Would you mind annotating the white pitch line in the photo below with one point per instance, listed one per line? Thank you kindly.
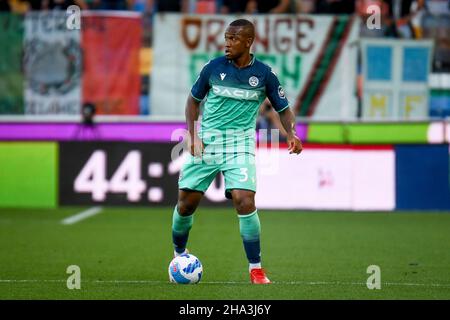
(311, 283)
(82, 215)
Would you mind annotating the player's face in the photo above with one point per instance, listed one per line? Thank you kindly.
(236, 42)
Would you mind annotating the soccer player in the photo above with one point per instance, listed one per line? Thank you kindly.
(235, 85)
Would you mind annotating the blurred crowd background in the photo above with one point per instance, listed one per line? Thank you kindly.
(412, 19)
(401, 19)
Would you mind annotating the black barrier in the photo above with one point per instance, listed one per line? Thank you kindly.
(122, 173)
(227, 309)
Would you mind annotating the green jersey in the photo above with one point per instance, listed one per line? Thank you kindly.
(233, 96)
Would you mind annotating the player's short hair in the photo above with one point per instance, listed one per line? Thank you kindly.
(250, 28)
(241, 23)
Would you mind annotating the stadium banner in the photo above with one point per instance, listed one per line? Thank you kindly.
(337, 178)
(107, 131)
(313, 56)
(396, 74)
(111, 43)
(52, 64)
(97, 64)
(11, 79)
(317, 132)
(28, 174)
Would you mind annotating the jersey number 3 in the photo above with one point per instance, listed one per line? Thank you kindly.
(245, 174)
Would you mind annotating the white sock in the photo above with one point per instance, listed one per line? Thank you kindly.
(254, 266)
(179, 254)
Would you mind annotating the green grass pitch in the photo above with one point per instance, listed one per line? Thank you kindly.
(124, 253)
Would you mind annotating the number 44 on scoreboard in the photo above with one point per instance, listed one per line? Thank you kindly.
(126, 179)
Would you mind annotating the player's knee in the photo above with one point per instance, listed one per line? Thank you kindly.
(245, 205)
(186, 207)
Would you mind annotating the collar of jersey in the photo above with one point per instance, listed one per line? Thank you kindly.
(249, 65)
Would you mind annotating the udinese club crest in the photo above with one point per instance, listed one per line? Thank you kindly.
(253, 81)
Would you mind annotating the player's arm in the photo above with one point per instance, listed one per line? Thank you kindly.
(287, 119)
(277, 98)
(192, 113)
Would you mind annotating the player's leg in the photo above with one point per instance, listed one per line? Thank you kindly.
(183, 218)
(250, 230)
(195, 177)
(249, 225)
(240, 186)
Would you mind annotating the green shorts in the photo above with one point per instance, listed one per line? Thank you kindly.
(239, 171)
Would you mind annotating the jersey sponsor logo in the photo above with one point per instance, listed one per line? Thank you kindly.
(253, 81)
(281, 93)
(222, 76)
(236, 93)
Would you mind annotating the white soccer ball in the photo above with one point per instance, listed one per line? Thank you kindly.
(185, 269)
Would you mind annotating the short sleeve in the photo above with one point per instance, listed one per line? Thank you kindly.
(275, 92)
(201, 85)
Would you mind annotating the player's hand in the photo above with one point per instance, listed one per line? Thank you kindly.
(195, 145)
(294, 144)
